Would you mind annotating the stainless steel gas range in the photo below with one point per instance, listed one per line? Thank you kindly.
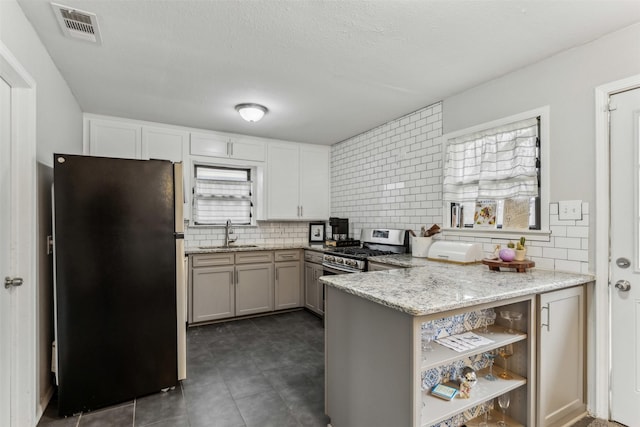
(375, 242)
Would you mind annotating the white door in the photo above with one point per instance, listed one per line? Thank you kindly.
(625, 241)
(5, 255)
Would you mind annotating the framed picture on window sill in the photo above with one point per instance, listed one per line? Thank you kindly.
(485, 214)
(316, 232)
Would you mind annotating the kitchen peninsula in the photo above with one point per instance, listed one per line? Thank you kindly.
(378, 375)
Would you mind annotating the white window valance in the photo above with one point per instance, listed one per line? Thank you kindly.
(496, 163)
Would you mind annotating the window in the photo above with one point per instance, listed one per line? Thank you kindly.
(492, 176)
(222, 194)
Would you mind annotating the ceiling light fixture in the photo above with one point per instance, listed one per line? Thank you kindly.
(251, 112)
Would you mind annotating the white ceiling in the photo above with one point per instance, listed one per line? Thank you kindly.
(327, 70)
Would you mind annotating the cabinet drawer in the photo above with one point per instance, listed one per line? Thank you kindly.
(293, 255)
(254, 257)
(210, 260)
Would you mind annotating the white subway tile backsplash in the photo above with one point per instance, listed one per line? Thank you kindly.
(568, 242)
(391, 176)
(578, 231)
(559, 230)
(577, 255)
(544, 263)
(556, 253)
(569, 266)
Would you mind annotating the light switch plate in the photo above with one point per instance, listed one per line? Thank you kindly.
(570, 209)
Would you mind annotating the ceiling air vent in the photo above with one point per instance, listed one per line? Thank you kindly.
(77, 24)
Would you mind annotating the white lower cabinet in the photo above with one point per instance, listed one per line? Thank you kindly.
(230, 284)
(313, 289)
(254, 289)
(288, 280)
(212, 295)
(561, 356)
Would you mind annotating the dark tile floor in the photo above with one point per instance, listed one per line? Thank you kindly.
(264, 371)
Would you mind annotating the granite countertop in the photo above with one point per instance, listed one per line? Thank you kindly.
(440, 287)
(245, 248)
(400, 260)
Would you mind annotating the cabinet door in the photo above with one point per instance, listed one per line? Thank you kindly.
(314, 182)
(282, 181)
(561, 356)
(212, 293)
(310, 287)
(287, 285)
(115, 139)
(247, 149)
(209, 145)
(254, 289)
(163, 144)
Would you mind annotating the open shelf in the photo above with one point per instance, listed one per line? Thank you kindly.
(435, 410)
(442, 355)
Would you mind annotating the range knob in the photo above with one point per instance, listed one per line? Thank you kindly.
(329, 258)
(350, 262)
(339, 260)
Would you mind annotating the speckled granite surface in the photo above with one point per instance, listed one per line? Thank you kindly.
(245, 248)
(401, 260)
(439, 287)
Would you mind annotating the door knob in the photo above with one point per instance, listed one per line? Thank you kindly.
(623, 285)
(12, 281)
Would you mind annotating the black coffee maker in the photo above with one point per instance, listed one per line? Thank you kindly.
(339, 228)
(340, 233)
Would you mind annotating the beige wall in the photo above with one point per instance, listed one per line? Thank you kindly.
(566, 82)
(59, 118)
(59, 129)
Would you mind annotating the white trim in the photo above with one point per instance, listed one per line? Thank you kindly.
(23, 207)
(601, 360)
(545, 165)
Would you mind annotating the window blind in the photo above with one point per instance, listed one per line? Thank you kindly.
(222, 194)
(497, 163)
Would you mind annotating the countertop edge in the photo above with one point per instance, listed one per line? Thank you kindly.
(273, 247)
(420, 291)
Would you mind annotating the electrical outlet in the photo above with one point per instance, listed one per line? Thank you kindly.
(570, 209)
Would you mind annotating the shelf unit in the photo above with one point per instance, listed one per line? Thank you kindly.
(442, 355)
(437, 410)
(431, 410)
(493, 422)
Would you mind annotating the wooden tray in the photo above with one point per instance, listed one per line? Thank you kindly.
(520, 266)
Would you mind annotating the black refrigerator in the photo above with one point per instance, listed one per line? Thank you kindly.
(117, 242)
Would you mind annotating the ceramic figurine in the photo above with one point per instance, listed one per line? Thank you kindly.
(467, 380)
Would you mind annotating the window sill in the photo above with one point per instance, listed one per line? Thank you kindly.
(532, 235)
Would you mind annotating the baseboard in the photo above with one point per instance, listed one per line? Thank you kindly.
(43, 403)
(575, 419)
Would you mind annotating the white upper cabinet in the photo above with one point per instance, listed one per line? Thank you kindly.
(163, 143)
(314, 181)
(297, 181)
(133, 140)
(110, 138)
(229, 147)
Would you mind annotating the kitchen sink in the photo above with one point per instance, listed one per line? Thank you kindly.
(228, 247)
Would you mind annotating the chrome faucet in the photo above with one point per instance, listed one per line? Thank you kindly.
(227, 231)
